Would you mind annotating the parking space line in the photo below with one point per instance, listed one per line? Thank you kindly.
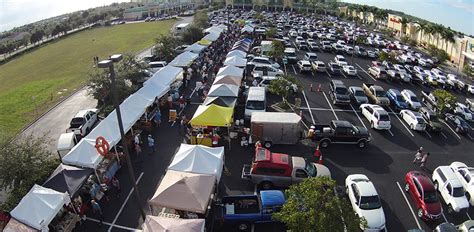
(124, 203)
(109, 224)
(355, 112)
(468, 216)
(390, 132)
(428, 134)
(344, 75)
(284, 66)
(470, 137)
(454, 132)
(328, 74)
(401, 121)
(444, 217)
(329, 103)
(363, 70)
(408, 203)
(358, 76)
(309, 108)
(446, 137)
(294, 70)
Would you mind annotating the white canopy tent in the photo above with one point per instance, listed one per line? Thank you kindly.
(247, 28)
(236, 61)
(238, 53)
(39, 207)
(163, 224)
(166, 76)
(184, 59)
(184, 191)
(199, 159)
(224, 90)
(211, 37)
(230, 70)
(195, 47)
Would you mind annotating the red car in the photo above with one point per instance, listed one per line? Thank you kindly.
(423, 193)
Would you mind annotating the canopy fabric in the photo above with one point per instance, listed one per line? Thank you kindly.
(16, 226)
(184, 191)
(240, 48)
(221, 101)
(204, 42)
(230, 71)
(84, 154)
(237, 53)
(163, 224)
(166, 76)
(195, 47)
(211, 37)
(227, 79)
(184, 59)
(224, 90)
(212, 115)
(247, 29)
(213, 30)
(199, 159)
(67, 179)
(236, 61)
(39, 206)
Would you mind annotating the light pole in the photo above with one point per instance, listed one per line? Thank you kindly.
(110, 64)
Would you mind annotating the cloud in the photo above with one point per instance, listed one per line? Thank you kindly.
(461, 4)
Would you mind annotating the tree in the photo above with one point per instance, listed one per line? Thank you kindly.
(165, 47)
(390, 57)
(200, 19)
(421, 27)
(23, 162)
(284, 86)
(445, 101)
(468, 70)
(270, 33)
(192, 34)
(404, 23)
(278, 50)
(85, 14)
(312, 205)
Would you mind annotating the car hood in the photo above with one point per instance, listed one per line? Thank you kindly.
(363, 130)
(342, 96)
(375, 217)
(361, 99)
(433, 208)
(460, 202)
(383, 99)
(322, 170)
(416, 104)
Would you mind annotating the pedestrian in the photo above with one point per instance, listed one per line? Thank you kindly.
(182, 103)
(418, 155)
(151, 144)
(116, 186)
(97, 210)
(157, 118)
(258, 144)
(254, 83)
(170, 101)
(424, 160)
(182, 124)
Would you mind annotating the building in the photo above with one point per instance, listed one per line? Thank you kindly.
(155, 8)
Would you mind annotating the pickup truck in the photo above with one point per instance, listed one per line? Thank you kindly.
(341, 132)
(244, 210)
(270, 169)
(429, 100)
(376, 94)
(83, 122)
(450, 189)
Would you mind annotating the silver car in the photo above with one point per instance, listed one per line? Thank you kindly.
(358, 95)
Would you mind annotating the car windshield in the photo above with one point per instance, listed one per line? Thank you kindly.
(370, 202)
(413, 99)
(384, 117)
(431, 197)
(255, 105)
(379, 93)
(310, 168)
(359, 93)
(465, 110)
(458, 192)
(341, 90)
(399, 98)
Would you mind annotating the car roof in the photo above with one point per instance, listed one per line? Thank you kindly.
(356, 88)
(449, 174)
(394, 91)
(365, 186)
(311, 54)
(424, 180)
(409, 92)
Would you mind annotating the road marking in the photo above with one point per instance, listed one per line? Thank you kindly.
(109, 224)
(468, 135)
(363, 70)
(124, 203)
(328, 74)
(446, 137)
(408, 203)
(294, 70)
(444, 217)
(468, 216)
(409, 131)
(390, 132)
(310, 112)
(330, 106)
(459, 137)
(428, 134)
(358, 76)
(344, 75)
(355, 112)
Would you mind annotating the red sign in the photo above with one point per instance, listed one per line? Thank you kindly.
(394, 20)
(102, 146)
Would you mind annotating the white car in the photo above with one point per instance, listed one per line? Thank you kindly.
(377, 116)
(304, 66)
(365, 201)
(340, 60)
(414, 119)
(463, 111)
(260, 60)
(310, 56)
(156, 66)
(454, 82)
(266, 70)
(465, 175)
(450, 188)
(411, 99)
(349, 70)
(318, 66)
(470, 89)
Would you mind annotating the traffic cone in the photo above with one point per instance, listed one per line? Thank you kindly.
(317, 153)
(319, 88)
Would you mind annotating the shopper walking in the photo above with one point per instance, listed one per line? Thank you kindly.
(97, 210)
(151, 144)
(157, 118)
(418, 156)
(424, 160)
(116, 186)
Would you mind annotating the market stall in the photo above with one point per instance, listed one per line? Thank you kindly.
(16, 226)
(67, 179)
(206, 123)
(184, 59)
(223, 90)
(228, 79)
(220, 101)
(189, 194)
(211, 37)
(40, 206)
(237, 53)
(236, 61)
(199, 159)
(196, 48)
(163, 224)
(247, 29)
(230, 71)
(166, 76)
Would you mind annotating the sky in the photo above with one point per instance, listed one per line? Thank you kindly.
(14, 13)
(457, 14)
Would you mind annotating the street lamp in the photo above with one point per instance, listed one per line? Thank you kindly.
(110, 64)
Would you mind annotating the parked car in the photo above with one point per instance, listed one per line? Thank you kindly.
(318, 66)
(396, 99)
(446, 227)
(422, 191)
(340, 60)
(358, 95)
(413, 119)
(451, 190)
(467, 226)
(360, 51)
(310, 56)
(377, 116)
(365, 201)
(411, 99)
(349, 70)
(463, 111)
(304, 66)
(83, 122)
(334, 68)
(432, 122)
(465, 175)
(156, 66)
(342, 132)
(339, 93)
(460, 126)
(376, 94)
(260, 60)
(266, 70)
(378, 72)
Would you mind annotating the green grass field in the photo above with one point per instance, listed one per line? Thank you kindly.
(55, 70)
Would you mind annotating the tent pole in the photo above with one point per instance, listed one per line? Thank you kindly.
(116, 154)
(97, 175)
(228, 133)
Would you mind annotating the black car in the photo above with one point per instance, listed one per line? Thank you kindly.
(460, 126)
(433, 124)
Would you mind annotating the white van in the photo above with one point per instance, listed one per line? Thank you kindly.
(180, 28)
(256, 101)
(66, 142)
(290, 55)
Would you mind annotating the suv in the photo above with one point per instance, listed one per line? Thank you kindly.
(334, 68)
(339, 93)
(340, 60)
(290, 55)
(310, 56)
(377, 116)
(451, 189)
(266, 70)
(304, 66)
(422, 191)
(260, 60)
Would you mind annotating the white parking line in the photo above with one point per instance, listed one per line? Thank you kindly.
(454, 132)
(446, 137)
(468, 216)
(355, 112)
(408, 203)
(428, 134)
(468, 135)
(363, 70)
(444, 217)
(344, 75)
(124, 203)
(284, 66)
(390, 132)
(109, 224)
(310, 111)
(294, 70)
(409, 131)
(358, 76)
(329, 74)
(329, 103)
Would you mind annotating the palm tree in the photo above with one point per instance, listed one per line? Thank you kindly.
(421, 27)
(404, 23)
(429, 29)
(448, 37)
(438, 30)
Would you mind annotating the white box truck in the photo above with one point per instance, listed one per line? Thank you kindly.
(275, 128)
